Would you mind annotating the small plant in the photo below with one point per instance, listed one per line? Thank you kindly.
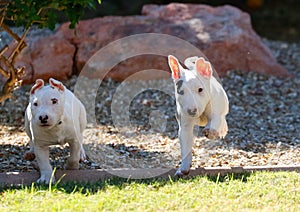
(26, 13)
(44, 13)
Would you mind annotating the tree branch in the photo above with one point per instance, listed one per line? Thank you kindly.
(7, 62)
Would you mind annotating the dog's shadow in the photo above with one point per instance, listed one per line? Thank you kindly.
(135, 151)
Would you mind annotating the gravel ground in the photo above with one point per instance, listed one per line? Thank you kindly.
(264, 122)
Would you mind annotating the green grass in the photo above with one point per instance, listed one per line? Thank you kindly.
(259, 191)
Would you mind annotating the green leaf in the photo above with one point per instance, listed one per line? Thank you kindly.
(25, 13)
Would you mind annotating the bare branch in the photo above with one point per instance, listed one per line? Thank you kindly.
(4, 96)
(21, 45)
(3, 50)
(2, 71)
(7, 68)
(14, 80)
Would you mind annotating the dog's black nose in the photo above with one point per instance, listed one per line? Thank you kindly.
(43, 119)
(192, 112)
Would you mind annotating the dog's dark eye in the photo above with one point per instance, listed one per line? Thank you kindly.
(35, 104)
(200, 90)
(54, 101)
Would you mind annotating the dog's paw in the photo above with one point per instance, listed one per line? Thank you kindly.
(71, 165)
(210, 133)
(83, 157)
(46, 179)
(29, 156)
(180, 173)
(223, 131)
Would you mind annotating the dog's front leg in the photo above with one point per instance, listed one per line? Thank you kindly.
(79, 137)
(186, 144)
(73, 160)
(42, 157)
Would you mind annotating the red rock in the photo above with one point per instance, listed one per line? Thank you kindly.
(47, 57)
(224, 34)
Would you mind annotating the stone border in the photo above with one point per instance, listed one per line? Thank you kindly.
(92, 176)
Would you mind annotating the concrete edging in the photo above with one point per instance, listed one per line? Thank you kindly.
(26, 178)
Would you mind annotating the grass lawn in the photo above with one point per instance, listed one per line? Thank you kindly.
(259, 191)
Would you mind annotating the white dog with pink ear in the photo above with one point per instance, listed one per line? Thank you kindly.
(200, 100)
(54, 116)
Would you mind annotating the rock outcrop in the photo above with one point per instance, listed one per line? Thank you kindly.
(224, 34)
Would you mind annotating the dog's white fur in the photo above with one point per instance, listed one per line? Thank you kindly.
(200, 100)
(54, 116)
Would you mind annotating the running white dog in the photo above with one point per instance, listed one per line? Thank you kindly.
(200, 100)
(54, 116)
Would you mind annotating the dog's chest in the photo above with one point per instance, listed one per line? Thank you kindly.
(57, 135)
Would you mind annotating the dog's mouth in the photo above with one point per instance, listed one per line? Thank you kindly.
(45, 125)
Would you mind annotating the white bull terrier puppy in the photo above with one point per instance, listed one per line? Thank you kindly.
(200, 100)
(54, 116)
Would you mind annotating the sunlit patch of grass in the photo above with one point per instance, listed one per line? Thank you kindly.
(257, 191)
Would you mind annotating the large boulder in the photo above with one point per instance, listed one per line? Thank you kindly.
(47, 57)
(224, 34)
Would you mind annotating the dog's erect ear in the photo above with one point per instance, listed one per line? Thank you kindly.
(203, 67)
(174, 66)
(39, 83)
(190, 62)
(56, 84)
